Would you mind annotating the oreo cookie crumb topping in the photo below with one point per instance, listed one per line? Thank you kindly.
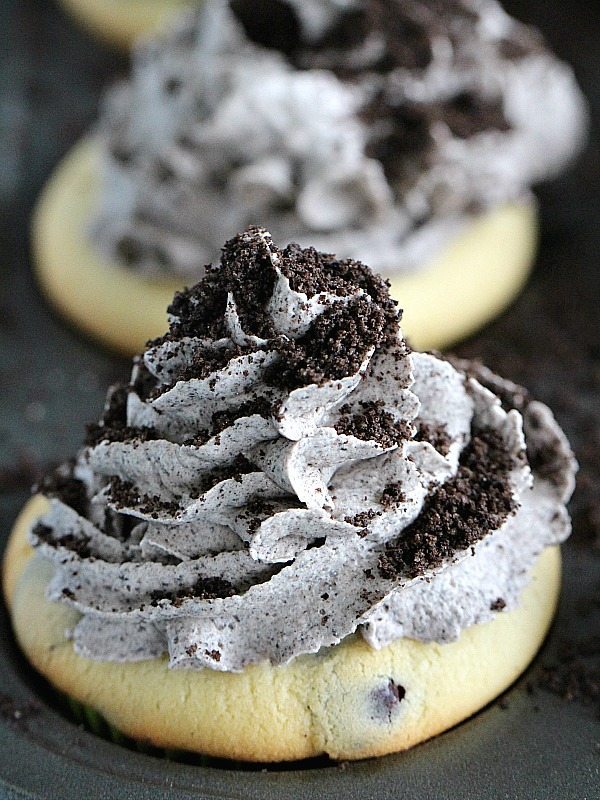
(312, 272)
(373, 423)
(204, 363)
(498, 605)
(125, 494)
(144, 383)
(223, 419)
(199, 311)
(248, 273)
(336, 343)
(362, 519)
(468, 114)
(115, 408)
(214, 654)
(401, 134)
(436, 435)
(406, 129)
(239, 466)
(392, 496)
(95, 434)
(270, 23)
(255, 511)
(78, 545)
(62, 484)
(458, 513)
(245, 271)
(203, 589)
(407, 30)
(407, 33)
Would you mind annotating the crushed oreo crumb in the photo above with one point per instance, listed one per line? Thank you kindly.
(362, 519)
(199, 311)
(336, 343)
(144, 382)
(498, 605)
(62, 484)
(125, 494)
(392, 496)
(334, 346)
(270, 23)
(79, 545)
(312, 272)
(205, 362)
(459, 513)
(97, 433)
(436, 435)
(203, 589)
(406, 130)
(373, 423)
(260, 406)
(256, 510)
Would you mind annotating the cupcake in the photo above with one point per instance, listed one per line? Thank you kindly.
(403, 134)
(289, 535)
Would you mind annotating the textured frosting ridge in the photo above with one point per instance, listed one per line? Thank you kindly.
(282, 471)
(374, 129)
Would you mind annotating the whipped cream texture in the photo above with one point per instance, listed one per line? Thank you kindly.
(282, 472)
(373, 129)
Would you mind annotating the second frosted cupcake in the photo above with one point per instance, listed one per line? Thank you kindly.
(402, 134)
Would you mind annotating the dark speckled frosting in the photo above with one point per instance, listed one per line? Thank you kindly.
(375, 129)
(282, 471)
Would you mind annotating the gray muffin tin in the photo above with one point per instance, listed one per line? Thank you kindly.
(529, 744)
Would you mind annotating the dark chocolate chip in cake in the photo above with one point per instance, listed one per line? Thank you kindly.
(385, 700)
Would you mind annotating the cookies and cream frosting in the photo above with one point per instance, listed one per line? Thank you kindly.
(374, 129)
(282, 472)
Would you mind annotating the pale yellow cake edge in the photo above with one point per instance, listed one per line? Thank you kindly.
(314, 705)
(121, 22)
(475, 277)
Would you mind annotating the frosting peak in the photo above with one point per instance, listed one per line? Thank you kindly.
(282, 471)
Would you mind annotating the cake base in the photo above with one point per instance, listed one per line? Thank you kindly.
(472, 280)
(348, 701)
(121, 22)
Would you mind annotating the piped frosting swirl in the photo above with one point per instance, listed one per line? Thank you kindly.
(282, 471)
(374, 129)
